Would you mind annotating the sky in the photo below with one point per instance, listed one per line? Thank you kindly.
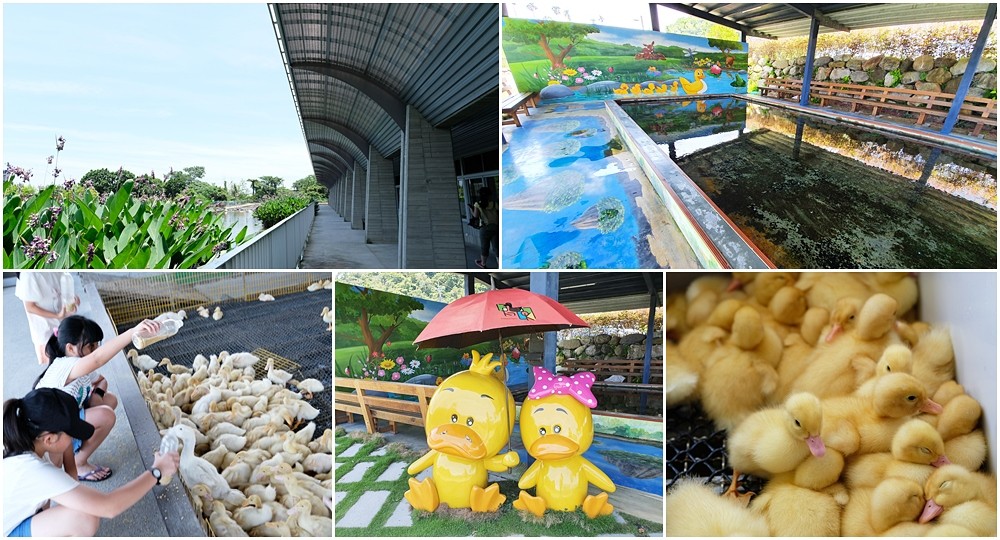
(624, 14)
(148, 87)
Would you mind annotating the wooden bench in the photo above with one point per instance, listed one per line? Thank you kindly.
(366, 397)
(515, 103)
(923, 103)
(626, 392)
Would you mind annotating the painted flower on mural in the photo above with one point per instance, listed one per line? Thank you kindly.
(579, 80)
(406, 371)
(395, 376)
(553, 82)
(387, 364)
(400, 360)
(581, 69)
(569, 72)
(596, 73)
(414, 363)
(381, 373)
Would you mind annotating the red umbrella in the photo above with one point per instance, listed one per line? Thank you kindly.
(480, 317)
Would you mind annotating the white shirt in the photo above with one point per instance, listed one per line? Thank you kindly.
(58, 373)
(28, 483)
(41, 288)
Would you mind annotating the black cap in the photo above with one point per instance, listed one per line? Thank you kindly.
(55, 411)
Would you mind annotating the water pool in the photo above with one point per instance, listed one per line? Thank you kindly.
(572, 197)
(814, 193)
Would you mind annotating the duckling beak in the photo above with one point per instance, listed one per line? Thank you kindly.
(929, 406)
(941, 461)
(834, 330)
(734, 284)
(931, 511)
(457, 440)
(553, 447)
(816, 446)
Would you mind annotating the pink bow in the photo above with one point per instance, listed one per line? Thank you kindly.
(577, 386)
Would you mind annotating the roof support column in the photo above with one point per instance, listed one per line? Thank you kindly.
(381, 214)
(359, 196)
(807, 70)
(970, 70)
(430, 224)
(654, 17)
(546, 283)
(344, 191)
(654, 302)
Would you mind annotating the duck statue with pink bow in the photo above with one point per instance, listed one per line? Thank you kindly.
(557, 428)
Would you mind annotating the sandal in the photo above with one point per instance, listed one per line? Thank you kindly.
(99, 474)
(480, 264)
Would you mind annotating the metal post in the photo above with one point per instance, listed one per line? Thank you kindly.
(647, 358)
(970, 71)
(546, 283)
(807, 70)
(654, 17)
(800, 123)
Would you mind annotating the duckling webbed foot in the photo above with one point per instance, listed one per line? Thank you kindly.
(597, 505)
(423, 495)
(486, 500)
(734, 493)
(529, 503)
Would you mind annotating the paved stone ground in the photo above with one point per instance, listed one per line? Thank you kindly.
(373, 500)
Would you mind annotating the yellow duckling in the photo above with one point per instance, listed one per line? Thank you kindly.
(700, 106)
(662, 89)
(696, 87)
(469, 419)
(673, 88)
(647, 90)
(557, 428)
(636, 89)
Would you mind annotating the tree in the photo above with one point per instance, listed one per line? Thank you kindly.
(205, 190)
(176, 182)
(265, 186)
(545, 34)
(375, 311)
(725, 45)
(695, 26)
(311, 188)
(106, 181)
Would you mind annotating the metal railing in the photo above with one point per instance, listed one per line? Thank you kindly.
(280, 246)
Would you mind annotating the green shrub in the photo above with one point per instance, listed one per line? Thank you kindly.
(76, 227)
(275, 210)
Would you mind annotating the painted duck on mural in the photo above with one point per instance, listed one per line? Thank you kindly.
(469, 420)
(698, 86)
(556, 429)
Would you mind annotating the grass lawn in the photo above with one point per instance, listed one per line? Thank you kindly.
(507, 521)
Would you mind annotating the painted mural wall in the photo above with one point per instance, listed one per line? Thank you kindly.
(565, 61)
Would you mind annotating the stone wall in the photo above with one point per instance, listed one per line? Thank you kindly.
(600, 346)
(920, 73)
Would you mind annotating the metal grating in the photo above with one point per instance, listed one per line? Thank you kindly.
(695, 449)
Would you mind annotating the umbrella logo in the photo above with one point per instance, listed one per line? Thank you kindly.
(522, 313)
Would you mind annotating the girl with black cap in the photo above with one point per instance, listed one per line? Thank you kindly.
(41, 424)
(76, 353)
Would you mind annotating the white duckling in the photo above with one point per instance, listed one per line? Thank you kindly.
(225, 428)
(203, 311)
(264, 297)
(324, 443)
(243, 360)
(234, 443)
(218, 457)
(174, 369)
(262, 492)
(277, 376)
(318, 463)
(199, 362)
(177, 316)
(217, 314)
(142, 362)
(222, 524)
(253, 513)
(237, 474)
(196, 470)
(310, 524)
(315, 286)
(272, 529)
(308, 387)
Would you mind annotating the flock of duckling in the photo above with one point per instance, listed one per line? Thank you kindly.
(828, 387)
(250, 457)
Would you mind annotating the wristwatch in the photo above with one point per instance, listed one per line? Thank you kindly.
(156, 474)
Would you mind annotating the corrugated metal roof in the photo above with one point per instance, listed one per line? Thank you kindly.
(358, 65)
(784, 20)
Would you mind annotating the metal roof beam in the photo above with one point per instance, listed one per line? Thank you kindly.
(695, 12)
(329, 162)
(359, 140)
(810, 10)
(390, 103)
(344, 154)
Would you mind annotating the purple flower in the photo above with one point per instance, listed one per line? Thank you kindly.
(52, 257)
(395, 376)
(69, 183)
(60, 143)
(400, 360)
(90, 252)
(220, 247)
(581, 69)
(23, 174)
(56, 211)
(579, 80)
(49, 160)
(55, 172)
(38, 246)
(381, 373)
(33, 221)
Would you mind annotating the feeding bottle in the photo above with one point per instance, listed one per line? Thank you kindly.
(67, 291)
(169, 443)
(168, 328)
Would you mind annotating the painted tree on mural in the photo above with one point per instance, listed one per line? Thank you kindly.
(549, 35)
(375, 311)
(725, 45)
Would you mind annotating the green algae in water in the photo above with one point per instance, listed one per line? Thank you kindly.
(548, 194)
(570, 260)
(607, 216)
(588, 132)
(563, 148)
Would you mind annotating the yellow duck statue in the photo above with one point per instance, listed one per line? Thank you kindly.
(469, 420)
(557, 428)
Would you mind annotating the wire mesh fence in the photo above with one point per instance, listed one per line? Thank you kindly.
(289, 329)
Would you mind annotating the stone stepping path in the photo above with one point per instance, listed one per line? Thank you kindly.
(356, 473)
(362, 516)
(393, 472)
(351, 452)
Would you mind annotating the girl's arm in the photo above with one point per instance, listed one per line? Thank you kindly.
(69, 463)
(108, 505)
(107, 351)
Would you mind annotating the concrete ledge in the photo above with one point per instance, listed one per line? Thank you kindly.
(716, 241)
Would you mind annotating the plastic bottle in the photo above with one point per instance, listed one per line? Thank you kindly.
(168, 328)
(67, 291)
(169, 443)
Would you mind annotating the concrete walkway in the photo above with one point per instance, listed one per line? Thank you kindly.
(333, 244)
(128, 450)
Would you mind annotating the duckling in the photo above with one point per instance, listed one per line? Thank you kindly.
(917, 450)
(957, 496)
(866, 424)
(959, 417)
(196, 470)
(315, 286)
(319, 463)
(273, 529)
(825, 289)
(232, 442)
(872, 511)
(237, 474)
(142, 362)
(897, 358)
(326, 314)
(264, 297)
(201, 499)
(243, 360)
(222, 524)
(934, 359)
(203, 311)
(310, 524)
(179, 315)
(681, 376)
(277, 376)
(217, 314)
(175, 369)
(969, 451)
(795, 511)
(799, 347)
(262, 492)
(900, 285)
(695, 510)
(217, 456)
(324, 444)
(778, 439)
(308, 387)
(252, 513)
